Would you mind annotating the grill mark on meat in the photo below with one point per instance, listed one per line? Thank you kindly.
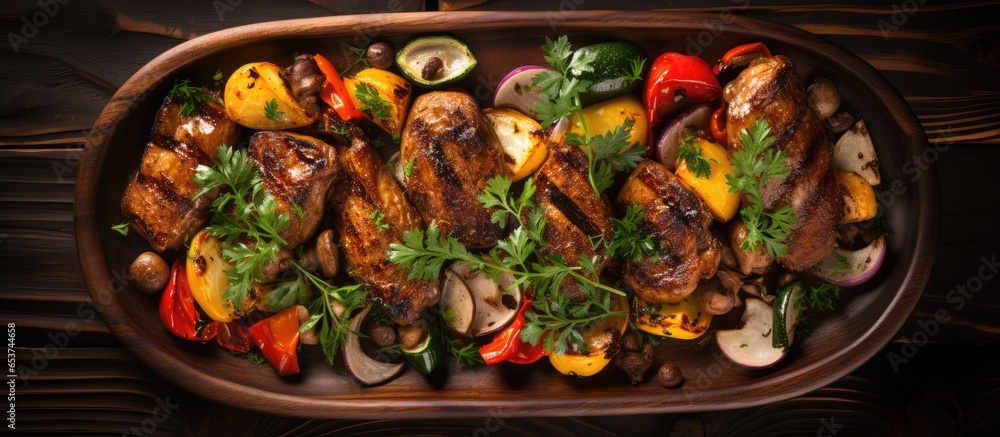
(680, 222)
(164, 190)
(277, 176)
(455, 153)
(775, 93)
(572, 211)
(366, 185)
(183, 149)
(439, 161)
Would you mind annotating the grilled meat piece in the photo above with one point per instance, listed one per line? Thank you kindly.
(688, 252)
(159, 199)
(455, 153)
(769, 88)
(297, 170)
(574, 214)
(371, 213)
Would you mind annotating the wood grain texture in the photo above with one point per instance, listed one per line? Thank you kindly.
(42, 133)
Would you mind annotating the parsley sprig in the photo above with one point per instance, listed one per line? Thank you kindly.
(756, 163)
(630, 242)
(689, 152)
(373, 102)
(271, 110)
(333, 327)
(425, 253)
(244, 217)
(608, 154)
(191, 97)
(560, 89)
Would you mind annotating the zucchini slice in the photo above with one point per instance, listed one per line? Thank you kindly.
(786, 315)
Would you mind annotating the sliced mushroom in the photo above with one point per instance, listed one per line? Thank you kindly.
(495, 304)
(457, 303)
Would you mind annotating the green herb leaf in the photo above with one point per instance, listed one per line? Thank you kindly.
(372, 101)
(820, 296)
(635, 71)
(362, 54)
(610, 154)
(425, 254)
(378, 219)
(256, 358)
(560, 89)
(754, 164)
(217, 77)
(191, 97)
(244, 212)
(271, 109)
(409, 167)
(630, 242)
(690, 153)
(121, 228)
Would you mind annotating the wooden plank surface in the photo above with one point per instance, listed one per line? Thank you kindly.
(56, 84)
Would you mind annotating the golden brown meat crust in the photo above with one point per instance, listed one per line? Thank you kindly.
(454, 152)
(680, 222)
(297, 170)
(769, 88)
(366, 189)
(573, 212)
(159, 199)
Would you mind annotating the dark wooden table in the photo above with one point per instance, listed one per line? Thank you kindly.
(65, 58)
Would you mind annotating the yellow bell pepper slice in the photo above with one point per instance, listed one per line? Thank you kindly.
(257, 90)
(521, 138)
(599, 336)
(682, 320)
(206, 272)
(714, 190)
(859, 197)
(392, 89)
(604, 117)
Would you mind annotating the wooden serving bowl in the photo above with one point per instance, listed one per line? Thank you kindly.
(841, 342)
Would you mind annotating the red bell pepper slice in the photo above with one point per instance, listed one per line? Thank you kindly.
(278, 337)
(508, 346)
(741, 55)
(335, 93)
(177, 310)
(676, 81)
(526, 353)
(233, 336)
(717, 125)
